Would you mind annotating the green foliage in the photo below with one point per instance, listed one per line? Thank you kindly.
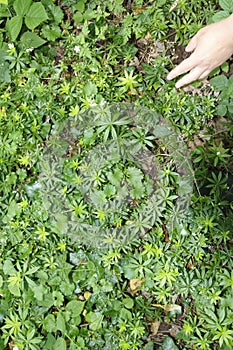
(224, 85)
(33, 14)
(68, 60)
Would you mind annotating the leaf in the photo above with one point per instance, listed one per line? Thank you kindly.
(75, 307)
(95, 320)
(8, 268)
(168, 344)
(21, 7)
(31, 40)
(4, 2)
(226, 5)
(219, 83)
(61, 326)
(154, 327)
(57, 13)
(169, 307)
(14, 289)
(80, 6)
(35, 16)
(135, 284)
(14, 26)
(49, 323)
(220, 15)
(128, 303)
(51, 34)
(221, 110)
(5, 72)
(161, 131)
(60, 344)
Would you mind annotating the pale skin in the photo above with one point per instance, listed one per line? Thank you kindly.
(210, 47)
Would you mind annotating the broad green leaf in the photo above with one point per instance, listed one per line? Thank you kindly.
(5, 73)
(38, 291)
(57, 13)
(61, 326)
(52, 33)
(168, 344)
(80, 6)
(78, 17)
(60, 344)
(75, 307)
(31, 40)
(95, 320)
(219, 83)
(8, 268)
(221, 110)
(14, 289)
(13, 26)
(128, 303)
(220, 15)
(21, 7)
(49, 323)
(35, 16)
(226, 5)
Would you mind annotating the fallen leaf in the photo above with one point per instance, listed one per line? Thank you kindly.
(168, 307)
(154, 327)
(135, 284)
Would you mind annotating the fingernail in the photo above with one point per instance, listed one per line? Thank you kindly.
(178, 85)
(169, 76)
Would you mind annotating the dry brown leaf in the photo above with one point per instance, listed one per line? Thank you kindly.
(154, 327)
(168, 307)
(135, 284)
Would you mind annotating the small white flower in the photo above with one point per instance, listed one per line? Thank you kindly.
(30, 49)
(11, 46)
(77, 48)
(15, 348)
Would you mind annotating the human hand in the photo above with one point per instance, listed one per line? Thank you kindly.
(211, 46)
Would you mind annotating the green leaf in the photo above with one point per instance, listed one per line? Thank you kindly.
(31, 40)
(13, 210)
(49, 323)
(80, 6)
(78, 17)
(60, 344)
(61, 326)
(128, 303)
(168, 344)
(14, 289)
(95, 319)
(21, 7)
(35, 16)
(220, 15)
(8, 268)
(13, 26)
(4, 2)
(226, 5)
(4, 72)
(221, 110)
(219, 83)
(75, 307)
(57, 13)
(52, 33)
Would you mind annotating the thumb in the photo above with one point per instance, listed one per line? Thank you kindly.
(192, 44)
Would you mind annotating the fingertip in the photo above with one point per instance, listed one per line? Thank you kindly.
(170, 76)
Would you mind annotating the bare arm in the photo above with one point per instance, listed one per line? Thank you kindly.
(211, 46)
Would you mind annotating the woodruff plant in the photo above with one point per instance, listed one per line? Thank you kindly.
(106, 202)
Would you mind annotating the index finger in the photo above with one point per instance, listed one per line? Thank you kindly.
(185, 66)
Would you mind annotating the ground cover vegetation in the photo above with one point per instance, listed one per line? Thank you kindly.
(167, 287)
